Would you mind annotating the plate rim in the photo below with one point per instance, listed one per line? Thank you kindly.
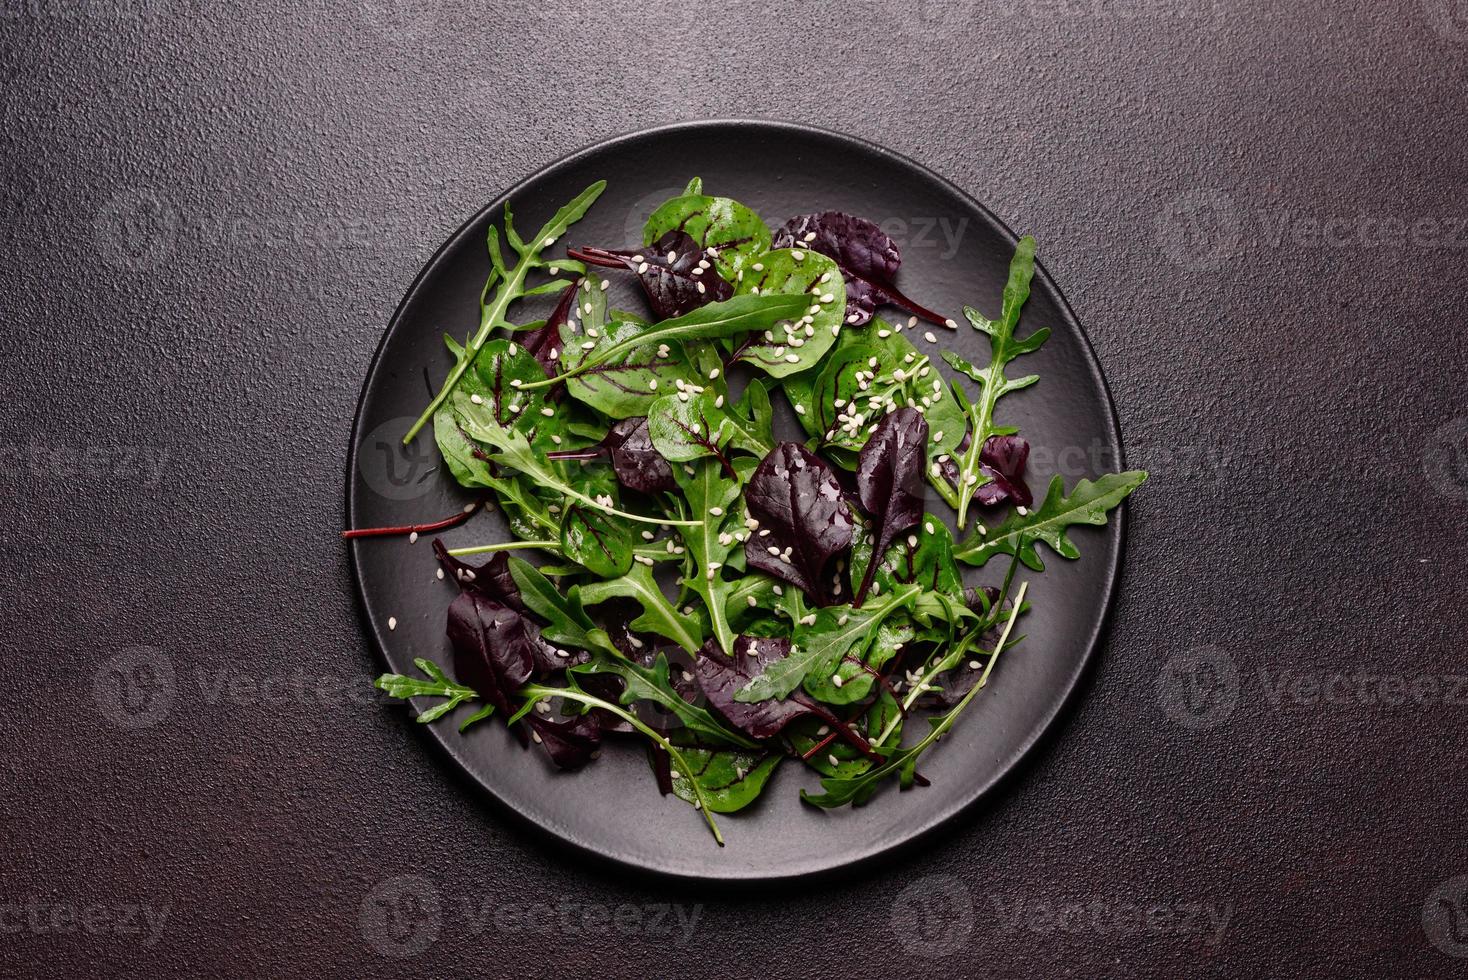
(1007, 766)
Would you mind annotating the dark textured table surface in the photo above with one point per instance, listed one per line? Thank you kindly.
(1257, 210)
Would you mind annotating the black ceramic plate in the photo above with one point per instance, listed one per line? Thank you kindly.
(954, 252)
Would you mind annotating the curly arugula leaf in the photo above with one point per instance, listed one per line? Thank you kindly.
(730, 779)
(1004, 347)
(820, 643)
(1088, 503)
(889, 480)
(653, 685)
(731, 318)
(509, 285)
(534, 693)
(868, 258)
(799, 342)
(734, 233)
(438, 685)
(674, 272)
(711, 494)
(658, 615)
(924, 557)
(597, 541)
(567, 624)
(754, 418)
(840, 790)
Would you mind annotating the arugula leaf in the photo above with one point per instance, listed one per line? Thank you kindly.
(735, 233)
(730, 779)
(840, 790)
(599, 542)
(1088, 503)
(818, 646)
(658, 615)
(733, 317)
(509, 286)
(653, 685)
(1005, 347)
(711, 496)
(798, 344)
(536, 692)
(924, 557)
(567, 622)
(753, 418)
(438, 685)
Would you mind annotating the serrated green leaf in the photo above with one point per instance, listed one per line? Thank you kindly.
(658, 615)
(1088, 503)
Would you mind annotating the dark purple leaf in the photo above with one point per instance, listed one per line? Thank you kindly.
(868, 258)
(638, 465)
(491, 580)
(797, 500)
(720, 675)
(889, 481)
(672, 285)
(1003, 461)
(496, 649)
(544, 340)
(571, 743)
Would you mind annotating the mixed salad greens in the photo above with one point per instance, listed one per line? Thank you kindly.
(733, 599)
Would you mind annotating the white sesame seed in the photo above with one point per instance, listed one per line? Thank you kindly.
(930, 337)
(780, 591)
(884, 334)
(588, 345)
(793, 358)
(937, 436)
(974, 665)
(798, 255)
(642, 268)
(716, 511)
(810, 236)
(1022, 511)
(714, 374)
(548, 412)
(556, 440)
(413, 538)
(843, 620)
(912, 540)
(440, 575)
(672, 257)
(392, 622)
(648, 535)
(548, 242)
(836, 679)
(832, 757)
(682, 396)
(751, 600)
(799, 409)
(828, 297)
(701, 290)
(758, 267)
(553, 354)
(719, 402)
(535, 736)
(476, 399)
(586, 308)
(555, 270)
(950, 324)
(652, 384)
